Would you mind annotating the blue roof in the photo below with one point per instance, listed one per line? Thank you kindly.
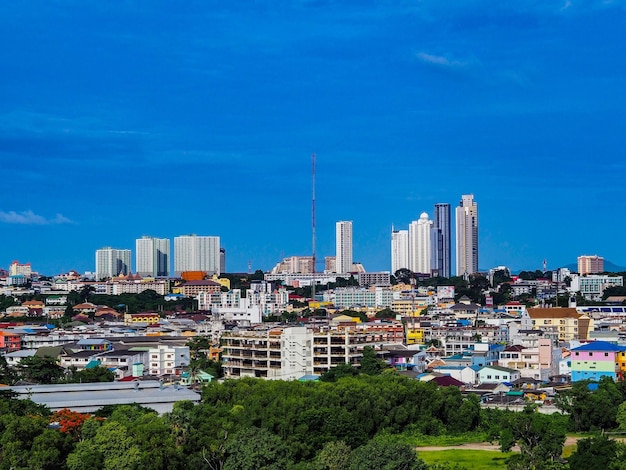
(600, 346)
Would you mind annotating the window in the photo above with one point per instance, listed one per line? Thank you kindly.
(606, 354)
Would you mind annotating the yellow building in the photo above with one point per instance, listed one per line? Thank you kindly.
(568, 323)
(141, 318)
(408, 308)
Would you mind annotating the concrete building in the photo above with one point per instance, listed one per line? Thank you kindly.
(16, 268)
(196, 253)
(152, 257)
(112, 262)
(343, 240)
(590, 264)
(399, 250)
(598, 359)
(289, 353)
(167, 359)
(419, 244)
(567, 323)
(467, 236)
(592, 286)
(294, 265)
(440, 243)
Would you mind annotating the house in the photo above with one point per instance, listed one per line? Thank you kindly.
(95, 344)
(597, 359)
(142, 319)
(465, 374)
(497, 374)
(10, 341)
(85, 308)
(201, 377)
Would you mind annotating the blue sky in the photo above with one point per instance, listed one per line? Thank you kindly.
(131, 118)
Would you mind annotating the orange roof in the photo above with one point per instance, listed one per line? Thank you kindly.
(554, 313)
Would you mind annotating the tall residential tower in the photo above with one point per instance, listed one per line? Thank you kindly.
(343, 239)
(152, 256)
(467, 236)
(399, 250)
(440, 243)
(196, 253)
(419, 244)
(111, 262)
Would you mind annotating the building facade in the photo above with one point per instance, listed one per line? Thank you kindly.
(399, 250)
(440, 244)
(112, 262)
(419, 244)
(467, 236)
(196, 253)
(343, 239)
(590, 264)
(152, 257)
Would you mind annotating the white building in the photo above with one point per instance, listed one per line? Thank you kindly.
(399, 250)
(419, 244)
(343, 239)
(111, 262)
(467, 236)
(153, 256)
(166, 359)
(196, 253)
(592, 286)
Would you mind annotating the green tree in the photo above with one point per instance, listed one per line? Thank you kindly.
(42, 370)
(335, 373)
(385, 454)
(91, 375)
(256, 448)
(335, 455)
(540, 438)
(370, 363)
(596, 452)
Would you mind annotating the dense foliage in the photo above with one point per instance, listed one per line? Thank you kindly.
(354, 422)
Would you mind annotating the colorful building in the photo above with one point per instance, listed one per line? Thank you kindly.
(597, 359)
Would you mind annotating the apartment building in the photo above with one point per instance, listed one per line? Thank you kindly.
(568, 323)
(289, 353)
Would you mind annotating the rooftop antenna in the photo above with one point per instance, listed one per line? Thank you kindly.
(313, 225)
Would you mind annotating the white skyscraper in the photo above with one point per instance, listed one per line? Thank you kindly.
(343, 239)
(111, 262)
(419, 244)
(399, 250)
(467, 236)
(152, 256)
(196, 253)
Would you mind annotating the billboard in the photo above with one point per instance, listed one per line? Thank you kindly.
(445, 292)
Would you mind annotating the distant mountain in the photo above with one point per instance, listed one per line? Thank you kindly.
(608, 267)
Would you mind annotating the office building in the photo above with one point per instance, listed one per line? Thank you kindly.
(111, 262)
(467, 236)
(399, 249)
(196, 253)
(419, 244)
(440, 242)
(590, 264)
(152, 256)
(343, 239)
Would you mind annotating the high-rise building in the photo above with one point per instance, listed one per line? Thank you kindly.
(343, 239)
(111, 262)
(440, 242)
(222, 260)
(399, 250)
(196, 253)
(419, 244)
(152, 256)
(467, 236)
(590, 264)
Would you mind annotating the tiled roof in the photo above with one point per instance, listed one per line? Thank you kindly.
(553, 313)
(600, 346)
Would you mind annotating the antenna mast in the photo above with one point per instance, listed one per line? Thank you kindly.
(313, 227)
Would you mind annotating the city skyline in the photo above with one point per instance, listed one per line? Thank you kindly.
(118, 120)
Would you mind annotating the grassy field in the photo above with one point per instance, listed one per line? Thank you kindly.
(470, 459)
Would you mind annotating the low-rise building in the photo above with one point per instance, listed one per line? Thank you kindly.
(598, 359)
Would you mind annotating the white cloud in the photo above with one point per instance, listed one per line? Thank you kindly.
(439, 60)
(30, 218)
